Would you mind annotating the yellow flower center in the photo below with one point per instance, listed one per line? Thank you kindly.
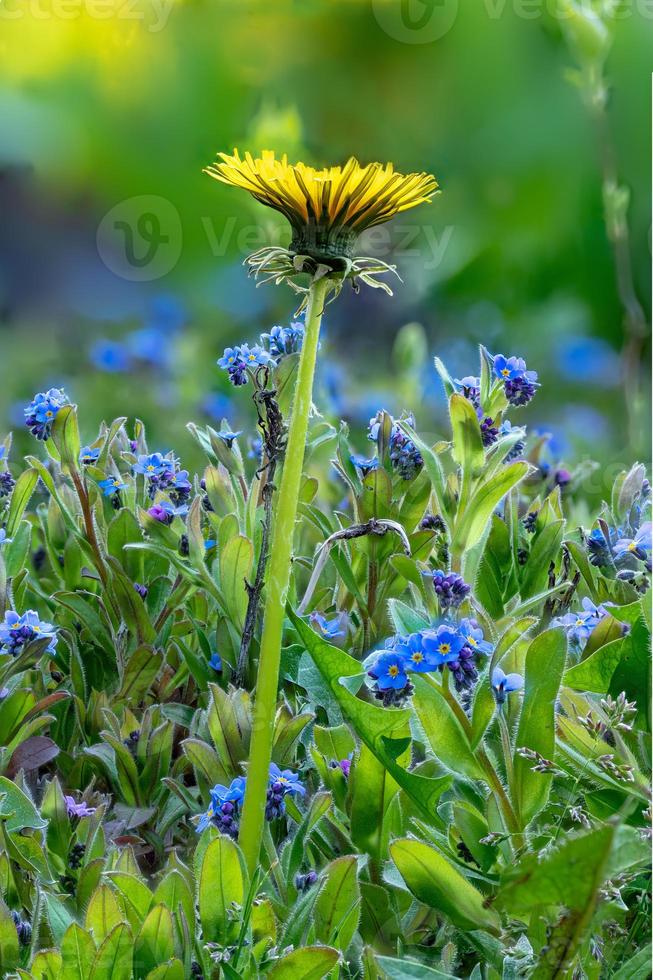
(632, 546)
(505, 372)
(579, 622)
(417, 657)
(444, 647)
(472, 642)
(393, 671)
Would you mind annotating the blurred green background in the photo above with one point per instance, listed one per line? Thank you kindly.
(120, 262)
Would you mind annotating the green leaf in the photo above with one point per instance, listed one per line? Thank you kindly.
(545, 662)
(155, 941)
(17, 809)
(174, 970)
(633, 673)
(445, 377)
(472, 828)
(472, 522)
(131, 605)
(287, 730)
(294, 855)
(467, 449)
(77, 953)
(205, 761)
(174, 892)
(103, 913)
(372, 791)
(443, 730)
(221, 884)
(84, 610)
(569, 876)
(638, 967)
(403, 969)
(405, 619)
(46, 965)
(59, 917)
(334, 743)
(544, 550)
(142, 669)
(375, 499)
(495, 569)
(415, 501)
(383, 731)
(124, 529)
(337, 907)
(9, 957)
(135, 895)
(236, 559)
(65, 436)
(308, 963)
(113, 960)
(439, 885)
(20, 497)
(431, 465)
(229, 722)
(595, 673)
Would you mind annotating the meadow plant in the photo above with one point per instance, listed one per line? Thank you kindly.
(355, 704)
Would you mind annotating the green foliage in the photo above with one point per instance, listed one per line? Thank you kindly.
(449, 829)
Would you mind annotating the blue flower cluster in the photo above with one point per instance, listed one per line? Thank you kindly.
(507, 428)
(405, 457)
(226, 801)
(17, 631)
(238, 360)
(452, 645)
(489, 431)
(42, 411)
(274, 346)
(579, 625)
(330, 629)
(519, 385)
(366, 464)
(470, 388)
(622, 547)
(450, 588)
(281, 341)
(88, 456)
(503, 684)
(7, 482)
(165, 512)
(162, 474)
(111, 487)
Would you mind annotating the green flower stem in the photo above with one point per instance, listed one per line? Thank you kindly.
(509, 817)
(507, 754)
(278, 578)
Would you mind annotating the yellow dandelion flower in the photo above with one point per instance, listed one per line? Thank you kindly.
(327, 209)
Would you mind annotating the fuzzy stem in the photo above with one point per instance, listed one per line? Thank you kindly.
(251, 828)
